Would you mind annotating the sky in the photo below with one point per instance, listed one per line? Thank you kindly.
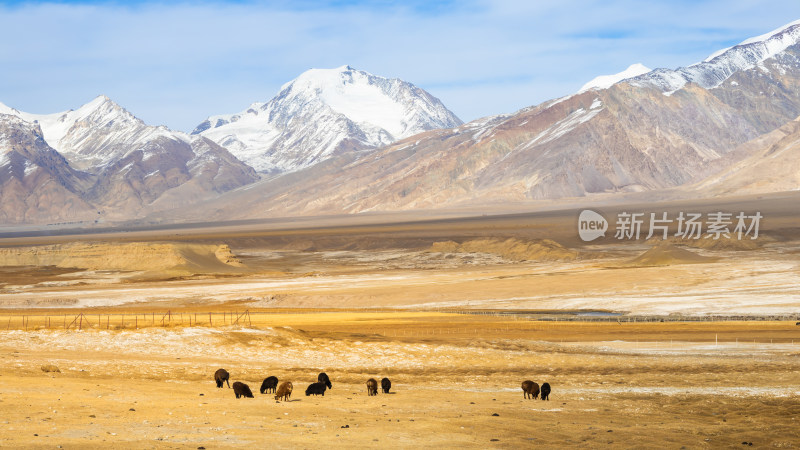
(176, 63)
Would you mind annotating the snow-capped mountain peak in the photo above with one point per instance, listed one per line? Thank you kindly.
(758, 39)
(721, 65)
(100, 112)
(318, 77)
(325, 111)
(5, 109)
(606, 81)
(355, 94)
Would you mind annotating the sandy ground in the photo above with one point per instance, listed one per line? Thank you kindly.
(394, 264)
(153, 387)
(674, 384)
(766, 281)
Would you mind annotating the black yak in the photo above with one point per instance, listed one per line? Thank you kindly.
(242, 390)
(323, 378)
(269, 384)
(317, 388)
(222, 376)
(386, 385)
(546, 391)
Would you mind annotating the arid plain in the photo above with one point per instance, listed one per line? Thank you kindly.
(457, 312)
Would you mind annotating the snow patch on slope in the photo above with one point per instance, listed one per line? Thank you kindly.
(564, 126)
(606, 81)
(351, 93)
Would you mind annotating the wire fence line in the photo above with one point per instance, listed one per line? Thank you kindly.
(536, 321)
(82, 321)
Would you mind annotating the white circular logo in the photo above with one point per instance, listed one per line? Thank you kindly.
(591, 225)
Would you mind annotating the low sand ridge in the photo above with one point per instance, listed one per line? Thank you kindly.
(164, 258)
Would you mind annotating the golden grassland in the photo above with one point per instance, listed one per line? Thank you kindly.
(455, 380)
(124, 358)
(381, 323)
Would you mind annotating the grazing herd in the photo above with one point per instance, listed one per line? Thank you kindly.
(530, 389)
(284, 391)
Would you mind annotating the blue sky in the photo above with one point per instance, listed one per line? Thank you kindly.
(176, 63)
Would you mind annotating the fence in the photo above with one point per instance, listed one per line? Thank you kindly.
(115, 321)
(524, 320)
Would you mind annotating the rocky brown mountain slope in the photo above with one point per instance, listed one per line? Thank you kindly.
(37, 184)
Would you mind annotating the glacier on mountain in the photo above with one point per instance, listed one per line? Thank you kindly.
(324, 112)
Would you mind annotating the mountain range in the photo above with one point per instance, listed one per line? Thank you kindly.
(343, 140)
(111, 164)
(325, 112)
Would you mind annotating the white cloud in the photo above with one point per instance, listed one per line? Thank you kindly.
(177, 64)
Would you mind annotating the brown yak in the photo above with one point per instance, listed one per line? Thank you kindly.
(284, 391)
(372, 386)
(530, 389)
